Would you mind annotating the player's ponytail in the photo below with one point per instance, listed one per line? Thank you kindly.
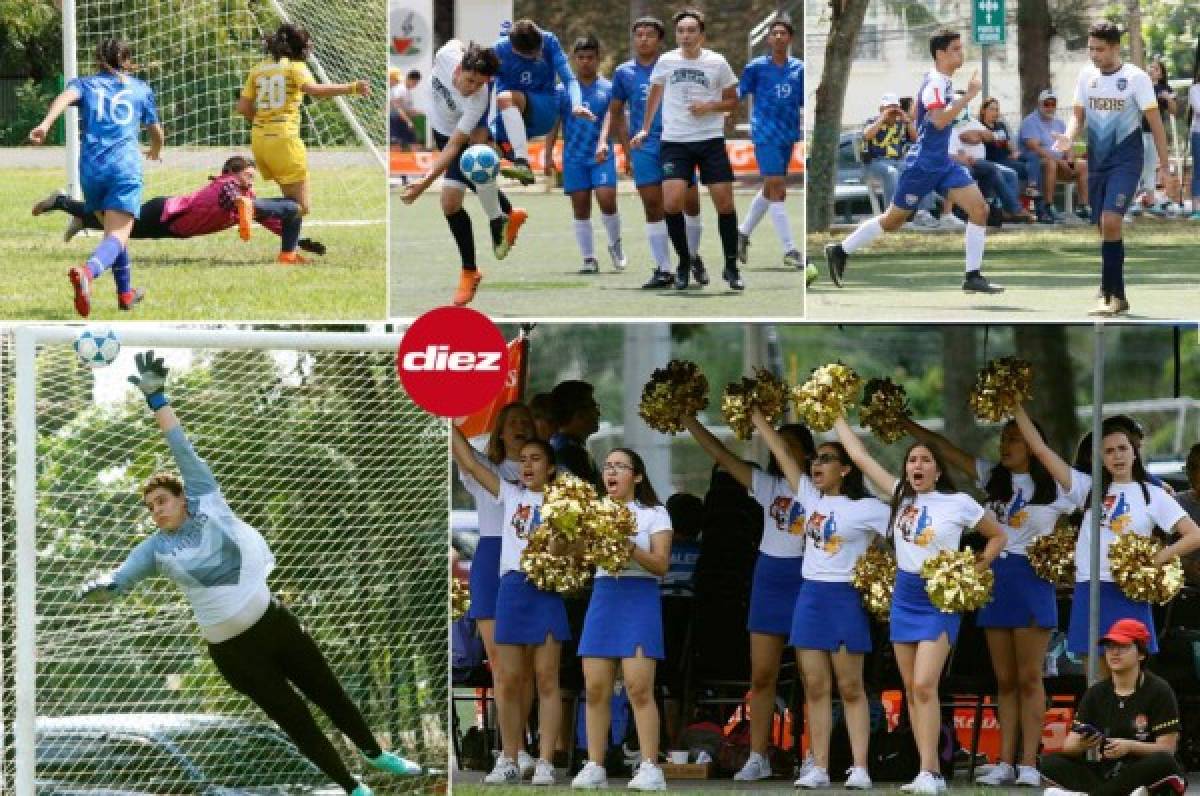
(115, 55)
(289, 41)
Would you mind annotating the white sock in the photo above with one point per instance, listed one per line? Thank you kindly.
(514, 125)
(782, 227)
(695, 227)
(489, 197)
(656, 233)
(976, 235)
(864, 235)
(758, 207)
(612, 226)
(583, 236)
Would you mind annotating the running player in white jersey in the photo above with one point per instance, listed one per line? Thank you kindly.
(929, 167)
(1110, 100)
(459, 85)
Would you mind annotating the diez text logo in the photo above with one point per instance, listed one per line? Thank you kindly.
(452, 361)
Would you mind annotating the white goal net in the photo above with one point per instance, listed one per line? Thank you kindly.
(314, 444)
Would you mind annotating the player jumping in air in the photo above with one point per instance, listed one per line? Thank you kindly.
(113, 106)
(270, 101)
(631, 85)
(589, 163)
(929, 167)
(526, 101)
(1110, 100)
(696, 88)
(459, 84)
(776, 82)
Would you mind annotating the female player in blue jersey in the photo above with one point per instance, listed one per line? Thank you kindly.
(113, 107)
(221, 565)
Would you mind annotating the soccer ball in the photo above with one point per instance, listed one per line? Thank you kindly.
(97, 346)
(479, 164)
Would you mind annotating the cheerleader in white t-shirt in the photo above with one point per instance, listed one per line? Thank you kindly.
(531, 624)
(928, 515)
(830, 627)
(624, 626)
(777, 575)
(1130, 504)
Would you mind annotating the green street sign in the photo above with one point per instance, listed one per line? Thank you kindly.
(987, 21)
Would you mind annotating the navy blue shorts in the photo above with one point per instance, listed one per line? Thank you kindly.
(828, 616)
(681, 159)
(485, 578)
(1114, 605)
(1112, 191)
(624, 614)
(1019, 598)
(773, 594)
(919, 179)
(914, 617)
(526, 615)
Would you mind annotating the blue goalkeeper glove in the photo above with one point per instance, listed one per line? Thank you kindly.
(151, 379)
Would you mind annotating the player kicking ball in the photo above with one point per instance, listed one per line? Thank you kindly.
(458, 116)
(929, 167)
(1111, 99)
(588, 162)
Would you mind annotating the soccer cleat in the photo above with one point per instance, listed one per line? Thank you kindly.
(291, 258)
(1000, 774)
(925, 219)
(659, 280)
(733, 277)
(508, 232)
(590, 777)
(698, 271)
(468, 283)
(505, 772)
(743, 248)
(950, 221)
(525, 763)
(858, 779)
(617, 256)
(1028, 777)
(543, 773)
(81, 283)
(810, 274)
(648, 777)
(815, 777)
(683, 274)
(519, 171)
(126, 301)
(835, 258)
(312, 246)
(47, 204)
(590, 266)
(393, 763)
(74, 227)
(791, 259)
(756, 767)
(245, 216)
(976, 282)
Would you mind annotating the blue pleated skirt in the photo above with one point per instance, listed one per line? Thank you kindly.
(1114, 605)
(485, 578)
(773, 594)
(828, 616)
(526, 615)
(914, 618)
(624, 614)
(1019, 597)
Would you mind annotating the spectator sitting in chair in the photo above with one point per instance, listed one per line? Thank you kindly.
(1045, 165)
(997, 182)
(1126, 729)
(885, 139)
(1000, 144)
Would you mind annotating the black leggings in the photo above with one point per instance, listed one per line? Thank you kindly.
(148, 224)
(1075, 773)
(265, 661)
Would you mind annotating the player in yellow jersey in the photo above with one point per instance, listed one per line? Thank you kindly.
(271, 101)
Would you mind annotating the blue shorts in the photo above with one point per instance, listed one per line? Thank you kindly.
(829, 616)
(586, 176)
(1112, 191)
(647, 167)
(107, 193)
(919, 179)
(1114, 605)
(541, 111)
(485, 578)
(526, 615)
(914, 618)
(773, 158)
(1019, 598)
(773, 594)
(624, 614)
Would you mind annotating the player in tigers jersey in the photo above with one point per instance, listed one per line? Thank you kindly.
(271, 101)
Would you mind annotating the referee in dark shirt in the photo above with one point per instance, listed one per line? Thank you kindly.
(1126, 728)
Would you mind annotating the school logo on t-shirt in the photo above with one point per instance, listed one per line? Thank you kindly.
(915, 525)
(1141, 727)
(822, 531)
(1116, 513)
(1017, 515)
(788, 515)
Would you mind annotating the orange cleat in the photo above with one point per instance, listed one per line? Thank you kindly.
(81, 282)
(291, 258)
(245, 215)
(468, 283)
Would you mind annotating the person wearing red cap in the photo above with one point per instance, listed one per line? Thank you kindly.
(1126, 728)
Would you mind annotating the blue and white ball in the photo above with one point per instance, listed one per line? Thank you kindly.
(480, 164)
(97, 346)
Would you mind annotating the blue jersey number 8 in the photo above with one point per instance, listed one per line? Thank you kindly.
(119, 109)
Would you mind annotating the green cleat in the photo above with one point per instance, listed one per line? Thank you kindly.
(519, 171)
(395, 764)
(810, 274)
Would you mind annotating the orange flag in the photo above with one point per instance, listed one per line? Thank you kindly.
(514, 388)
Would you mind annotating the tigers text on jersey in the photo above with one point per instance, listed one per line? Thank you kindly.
(451, 110)
(688, 80)
(1112, 106)
(275, 87)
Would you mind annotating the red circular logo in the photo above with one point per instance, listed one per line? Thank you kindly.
(452, 361)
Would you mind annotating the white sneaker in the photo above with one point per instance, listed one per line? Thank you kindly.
(525, 764)
(618, 256)
(951, 221)
(590, 266)
(1028, 777)
(858, 779)
(926, 784)
(543, 773)
(757, 767)
(807, 764)
(505, 772)
(816, 777)
(648, 777)
(590, 777)
(1141, 790)
(924, 218)
(1001, 774)
(1065, 792)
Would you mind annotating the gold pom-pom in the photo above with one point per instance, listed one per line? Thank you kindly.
(953, 583)
(1132, 560)
(884, 408)
(874, 576)
(679, 390)
(764, 392)
(1000, 387)
(460, 599)
(610, 529)
(1052, 555)
(549, 571)
(825, 396)
(565, 504)
(553, 557)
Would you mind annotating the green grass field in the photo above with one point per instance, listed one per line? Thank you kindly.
(538, 279)
(1049, 274)
(213, 277)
